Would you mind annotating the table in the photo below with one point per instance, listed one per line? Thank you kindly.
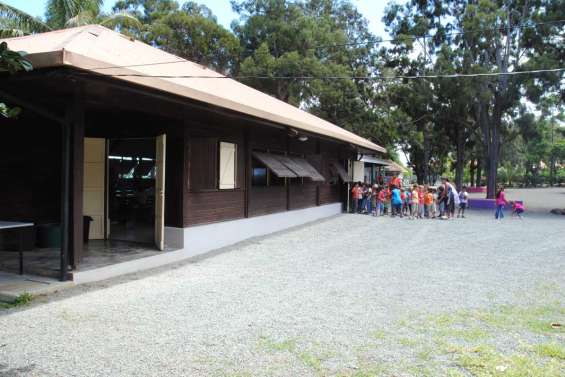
(4, 225)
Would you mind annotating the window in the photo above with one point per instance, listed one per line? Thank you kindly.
(228, 152)
(262, 173)
(259, 177)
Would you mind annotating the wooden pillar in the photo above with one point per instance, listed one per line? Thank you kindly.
(287, 180)
(247, 173)
(65, 195)
(74, 137)
(321, 167)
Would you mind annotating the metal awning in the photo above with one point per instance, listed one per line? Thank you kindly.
(302, 168)
(374, 160)
(341, 172)
(274, 163)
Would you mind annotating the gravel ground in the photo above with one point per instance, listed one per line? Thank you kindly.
(352, 295)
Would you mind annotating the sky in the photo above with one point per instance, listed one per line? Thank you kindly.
(372, 9)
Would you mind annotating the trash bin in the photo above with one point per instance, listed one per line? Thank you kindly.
(86, 220)
(48, 235)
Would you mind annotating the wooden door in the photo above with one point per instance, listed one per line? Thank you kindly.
(160, 152)
(94, 186)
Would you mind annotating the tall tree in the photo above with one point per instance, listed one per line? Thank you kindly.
(493, 37)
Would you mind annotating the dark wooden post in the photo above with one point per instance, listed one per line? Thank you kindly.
(321, 167)
(65, 195)
(77, 174)
(247, 172)
(287, 180)
(72, 183)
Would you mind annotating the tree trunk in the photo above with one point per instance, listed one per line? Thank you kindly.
(479, 172)
(460, 163)
(472, 168)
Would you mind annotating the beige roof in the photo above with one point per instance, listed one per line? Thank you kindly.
(98, 49)
(395, 167)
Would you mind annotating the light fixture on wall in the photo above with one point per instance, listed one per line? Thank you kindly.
(302, 138)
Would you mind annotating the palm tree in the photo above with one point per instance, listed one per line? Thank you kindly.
(14, 22)
(62, 14)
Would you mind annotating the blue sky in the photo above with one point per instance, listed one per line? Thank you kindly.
(372, 9)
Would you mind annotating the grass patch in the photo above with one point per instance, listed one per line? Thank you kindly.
(310, 360)
(378, 334)
(272, 345)
(552, 350)
(21, 300)
(485, 361)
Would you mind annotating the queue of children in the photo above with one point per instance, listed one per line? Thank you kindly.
(413, 202)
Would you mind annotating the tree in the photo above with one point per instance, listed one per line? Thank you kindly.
(14, 22)
(12, 62)
(62, 14)
(491, 37)
(194, 34)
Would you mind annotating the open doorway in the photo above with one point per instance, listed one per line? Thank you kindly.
(131, 189)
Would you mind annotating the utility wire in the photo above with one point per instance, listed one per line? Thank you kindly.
(374, 41)
(377, 77)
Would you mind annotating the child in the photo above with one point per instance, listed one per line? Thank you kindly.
(421, 202)
(407, 201)
(354, 197)
(381, 202)
(463, 199)
(387, 201)
(374, 193)
(500, 203)
(396, 201)
(517, 209)
(428, 202)
(415, 202)
(442, 201)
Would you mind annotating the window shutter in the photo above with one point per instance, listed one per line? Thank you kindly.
(227, 165)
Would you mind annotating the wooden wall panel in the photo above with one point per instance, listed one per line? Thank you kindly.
(267, 200)
(208, 205)
(303, 195)
(213, 206)
(30, 167)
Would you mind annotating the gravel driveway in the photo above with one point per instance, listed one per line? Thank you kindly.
(353, 295)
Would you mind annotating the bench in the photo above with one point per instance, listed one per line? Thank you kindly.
(5, 225)
(475, 203)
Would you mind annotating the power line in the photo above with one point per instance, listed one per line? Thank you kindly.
(377, 77)
(414, 37)
(374, 41)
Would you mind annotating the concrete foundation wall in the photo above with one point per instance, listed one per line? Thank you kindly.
(198, 240)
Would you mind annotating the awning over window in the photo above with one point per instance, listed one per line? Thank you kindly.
(275, 164)
(374, 160)
(340, 171)
(302, 168)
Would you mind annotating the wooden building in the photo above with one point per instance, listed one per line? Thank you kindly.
(156, 148)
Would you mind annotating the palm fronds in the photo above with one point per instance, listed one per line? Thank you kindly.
(14, 22)
(120, 19)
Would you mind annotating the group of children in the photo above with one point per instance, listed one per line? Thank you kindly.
(415, 202)
(421, 201)
(501, 202)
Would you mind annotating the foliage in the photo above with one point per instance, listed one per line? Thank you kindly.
(12, 62)
(321, 56)
(21, 300)
(61, 14)
(14, 22)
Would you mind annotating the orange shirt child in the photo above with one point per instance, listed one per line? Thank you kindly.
(429, 199)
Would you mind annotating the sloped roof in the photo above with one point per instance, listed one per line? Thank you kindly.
(97, 49)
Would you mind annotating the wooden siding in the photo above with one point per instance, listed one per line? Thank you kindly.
(267, 200)
(30, 166)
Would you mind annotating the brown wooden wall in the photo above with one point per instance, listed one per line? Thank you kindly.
(30, 166)
(204, 203)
